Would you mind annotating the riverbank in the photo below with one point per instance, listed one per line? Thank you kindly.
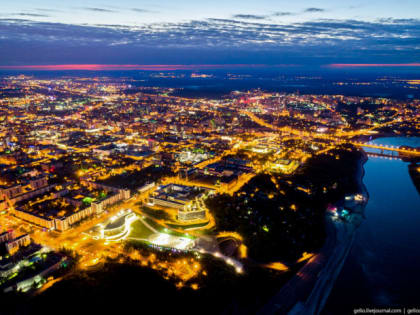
(381, 269)
(414, 171)
(344, 239)
(308, 290)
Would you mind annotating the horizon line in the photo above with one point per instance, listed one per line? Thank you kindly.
(174, 67)
(373, 65)
(114, 67)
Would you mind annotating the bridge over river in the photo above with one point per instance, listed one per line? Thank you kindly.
(388, 150)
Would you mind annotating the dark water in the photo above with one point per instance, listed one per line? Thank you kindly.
(304, 80)
(383, 267)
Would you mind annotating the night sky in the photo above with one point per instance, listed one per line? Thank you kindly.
(264, 32)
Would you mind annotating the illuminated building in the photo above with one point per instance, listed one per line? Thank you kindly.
(186, 199)
(61, 209)
(13, 246)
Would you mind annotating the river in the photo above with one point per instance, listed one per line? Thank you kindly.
(382, 269)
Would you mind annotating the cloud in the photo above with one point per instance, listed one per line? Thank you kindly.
(222, 32)
(213, 41)
(99, 10)
(283, 13)
(314, 10)
(141, 10)
(30, 15)
(249, 17)
(47, 10)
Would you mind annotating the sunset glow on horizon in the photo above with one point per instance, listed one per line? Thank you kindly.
(174, 67)
(105, 67)
(378, 65)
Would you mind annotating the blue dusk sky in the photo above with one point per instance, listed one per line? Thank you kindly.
(304, 32)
